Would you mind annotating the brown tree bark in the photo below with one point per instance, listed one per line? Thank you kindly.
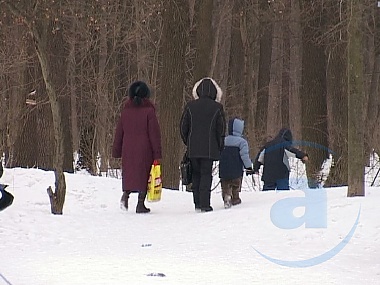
(266, 29)
(337, 95)
(71, 74)
(313, 98)
(295, 69)
(40, 32)
(21, 120)
(275, 108)
(234, 95)
(102, 100)
(355, 103)
(372, 120)
(250, 38)
(203, 39)
(222, 42)
(174, 42)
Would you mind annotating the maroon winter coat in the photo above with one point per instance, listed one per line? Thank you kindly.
(138, 143)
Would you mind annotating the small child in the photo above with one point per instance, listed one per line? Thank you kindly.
(275, 158)
(234, 157)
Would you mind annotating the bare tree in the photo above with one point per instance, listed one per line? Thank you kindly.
(295, 68)
(335, 40)
(372, 69)
(274, 117)
(39, 29)
(203, 40)
(313, 93)
(234, 95)
(102, 98)
(266, 30)
(355, 103)
(250, 38)
(174, 42)
(222, 42)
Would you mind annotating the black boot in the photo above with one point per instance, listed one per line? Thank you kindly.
(140, 208)
(235, 198)
(124, 200)
(205, 201)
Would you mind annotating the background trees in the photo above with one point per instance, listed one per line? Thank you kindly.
(280, 64)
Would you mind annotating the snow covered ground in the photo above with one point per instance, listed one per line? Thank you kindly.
(337, 240)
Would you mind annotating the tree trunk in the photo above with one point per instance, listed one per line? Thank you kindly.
(295, 72)
(313, 98)
(71, 74)
(337, 97)
(21, 131)
(372, 134)
(250, 36)
(222, 43)
(234, 95)
(22, 117)
(57, 198)
(266, 27)
(102, 96)
(355, 103)
(274, 113)
(285, 85)
(174, 42)
(203, 39)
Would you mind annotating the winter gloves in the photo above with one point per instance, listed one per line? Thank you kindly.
(249, 171)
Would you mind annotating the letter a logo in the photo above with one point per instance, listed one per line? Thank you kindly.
(314, 204)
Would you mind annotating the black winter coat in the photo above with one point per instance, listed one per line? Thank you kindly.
(203, 125)
(274, 156)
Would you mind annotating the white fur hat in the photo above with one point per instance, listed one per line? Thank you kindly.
(207, 87)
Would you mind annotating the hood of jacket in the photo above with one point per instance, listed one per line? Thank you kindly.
(235, 127)
(207, 87)
(286, 134)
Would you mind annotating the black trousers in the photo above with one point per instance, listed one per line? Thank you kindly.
(202, 179)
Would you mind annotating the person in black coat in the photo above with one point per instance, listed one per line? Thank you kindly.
(202, 129)
(6, 198)
(275, 158)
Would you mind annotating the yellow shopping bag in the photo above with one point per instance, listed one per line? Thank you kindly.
(154, 183)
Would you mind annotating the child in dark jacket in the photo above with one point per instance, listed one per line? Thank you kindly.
(234, 158)
(275, 158)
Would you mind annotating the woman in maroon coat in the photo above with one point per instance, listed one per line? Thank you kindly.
(138, 143)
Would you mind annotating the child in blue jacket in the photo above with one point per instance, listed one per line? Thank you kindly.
(234, 159)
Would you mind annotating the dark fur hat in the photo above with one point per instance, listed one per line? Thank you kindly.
(139, 89)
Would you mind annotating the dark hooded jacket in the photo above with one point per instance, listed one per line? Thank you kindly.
(275, 157)
(202, 125)
(235, 155)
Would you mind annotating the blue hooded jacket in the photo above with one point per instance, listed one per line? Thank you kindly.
(235, 154)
